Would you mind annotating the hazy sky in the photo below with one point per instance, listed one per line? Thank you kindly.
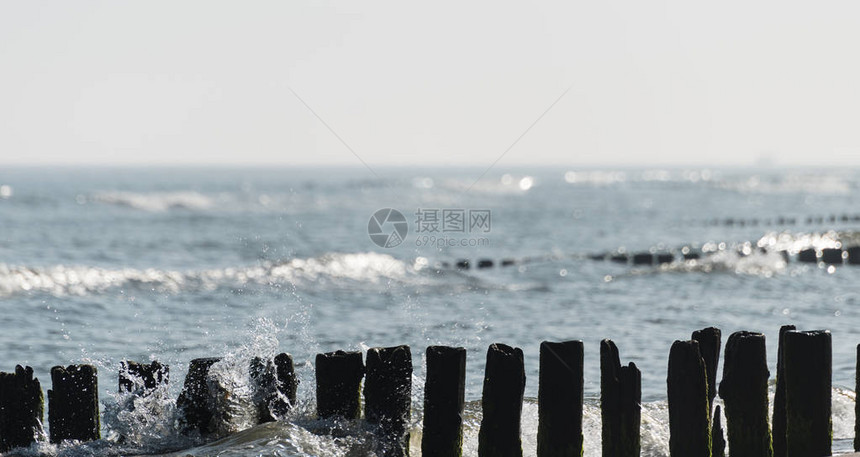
(442, 83)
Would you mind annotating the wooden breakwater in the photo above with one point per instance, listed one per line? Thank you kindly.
(800, 426)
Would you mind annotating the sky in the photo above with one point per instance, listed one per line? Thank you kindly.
(574, 83)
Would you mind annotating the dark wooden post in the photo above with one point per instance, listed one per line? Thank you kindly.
(744, 392)
(339, 384)
(709, 340)
(194, 400)
(287, 385)
(264, 380)
(388, 397)
(275, 384)
(620, 403)
(21, 408)
(73, 403)
(779, 396)
(142, 378)
(718, 442)
(502, 403)
(560, 387)
(808, 377)
(444, 399)
(689, 428)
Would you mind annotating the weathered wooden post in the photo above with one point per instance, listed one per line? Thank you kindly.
(142, 378)
(275, 385)
(339, 376)
(287, 385)
(502, 402)
(444, 400)
(689, 428)
(73, 403)
(718, 442)
(744, 392)
(808, 377)
(194, 400)
(779, 396)
(388, 397)
(620, 403)
(21, 408)
(710, 340)
(560, 390)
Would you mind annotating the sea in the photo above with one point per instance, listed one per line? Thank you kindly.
(105, 264)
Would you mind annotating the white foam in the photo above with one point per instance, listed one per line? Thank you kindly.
(79, 280)
(156, 201)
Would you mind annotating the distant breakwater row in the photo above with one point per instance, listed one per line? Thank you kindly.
(800, 425)
(825, 256)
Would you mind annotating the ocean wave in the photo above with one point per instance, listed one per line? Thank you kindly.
(63, 280)
(156, 201)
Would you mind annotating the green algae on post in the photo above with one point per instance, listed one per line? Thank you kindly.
(444, 401)
(502, 403)
(560, 390)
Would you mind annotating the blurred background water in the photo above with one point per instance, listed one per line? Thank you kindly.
(102, 265)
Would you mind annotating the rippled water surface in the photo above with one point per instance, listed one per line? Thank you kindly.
(103, 265)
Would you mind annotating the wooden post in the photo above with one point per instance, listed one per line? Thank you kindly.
(264, 382)
(744, 392)
(194, 400)
(388, 397)
(21, 408)
(808, 377)
(339, 384)
(709, 340)
(287, 385)
(141, 378)
(689, 428)
(444, 396)
(853, 255)
(620, 403)
(560, 388)
(275, 384)
(73, 403)
(779, 396)
(718, 442)
(502, 402)
(807, 256)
